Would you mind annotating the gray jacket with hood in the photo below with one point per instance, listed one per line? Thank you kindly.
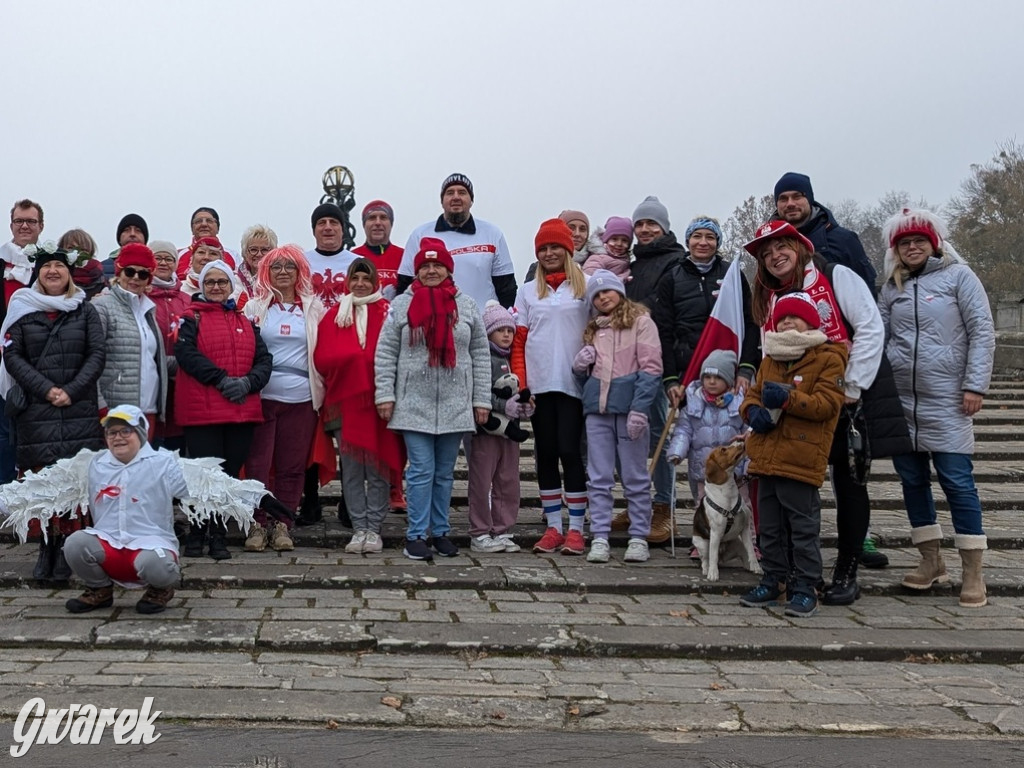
(940, 339)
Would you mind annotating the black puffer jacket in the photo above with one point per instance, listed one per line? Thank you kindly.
(652, 265)
(73, 362)
(687, 299)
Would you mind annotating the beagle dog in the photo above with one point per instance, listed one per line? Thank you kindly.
(723, 525)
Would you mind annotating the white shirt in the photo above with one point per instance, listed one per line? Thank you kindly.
(284, 332)
(149, 374)
(328, 273)
(131, 503)
(478, 258)
(555, 324)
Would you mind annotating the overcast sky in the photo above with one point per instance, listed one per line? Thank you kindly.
(157, 108)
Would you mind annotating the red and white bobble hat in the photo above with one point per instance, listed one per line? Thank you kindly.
(772, 230)
(797, 304)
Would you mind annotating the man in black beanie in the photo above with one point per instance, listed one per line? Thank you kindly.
(132, 228)
(329, 260)
(795, 203)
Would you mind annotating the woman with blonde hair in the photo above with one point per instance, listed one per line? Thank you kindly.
(287, 312)
(257, 241)
(940, 338)
(551, 313)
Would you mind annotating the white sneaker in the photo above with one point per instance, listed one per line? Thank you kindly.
(637, 551)
(373, 544)
(510, 545)
(486, 544)
(599, 551)
(355, 546)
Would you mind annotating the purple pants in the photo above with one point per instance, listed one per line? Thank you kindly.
(606, 439)
(493, 473)
(282, 442)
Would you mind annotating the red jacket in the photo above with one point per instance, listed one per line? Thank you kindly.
(214, 342)
(387, 263)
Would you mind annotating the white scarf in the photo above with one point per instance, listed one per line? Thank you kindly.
(353, 308)
(172, 283)
(791, 344)
(16, 264)
(25, 301)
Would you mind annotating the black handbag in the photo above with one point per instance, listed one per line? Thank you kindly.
(16, 402)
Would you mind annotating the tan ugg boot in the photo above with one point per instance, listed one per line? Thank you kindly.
(972, 550)
(661, 523)
(931, 570)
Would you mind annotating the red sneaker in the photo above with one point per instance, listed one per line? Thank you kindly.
(550, 541)
(574, 544)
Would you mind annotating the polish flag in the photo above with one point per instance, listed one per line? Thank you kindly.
(724, 329)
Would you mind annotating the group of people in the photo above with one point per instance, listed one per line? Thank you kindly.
(283, 362)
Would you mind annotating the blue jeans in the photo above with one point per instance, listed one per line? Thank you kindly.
(664, 473)
(956, 477)
(8, 455)
(428, 481)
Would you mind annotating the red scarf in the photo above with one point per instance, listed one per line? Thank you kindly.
(432, 316)
(554, 280)
(347, 369)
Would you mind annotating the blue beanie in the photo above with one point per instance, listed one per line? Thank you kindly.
(794, 182)
(703, 222)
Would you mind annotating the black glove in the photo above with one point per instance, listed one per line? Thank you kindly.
(760, 420)
(276, 509)
(774, 395)
(234, 388)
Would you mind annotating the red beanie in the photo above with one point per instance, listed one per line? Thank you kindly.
(135, 255)
(797, 305)
(554, 232)
(379, 205)
(432, 249)
(211, 241)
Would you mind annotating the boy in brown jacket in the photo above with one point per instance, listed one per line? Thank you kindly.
(792, 409)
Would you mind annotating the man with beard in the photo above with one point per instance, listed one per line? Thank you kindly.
(483, 263)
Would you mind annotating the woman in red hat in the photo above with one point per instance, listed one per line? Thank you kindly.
(785, 263)
(136, 369)
(551, 314)
(432, 375)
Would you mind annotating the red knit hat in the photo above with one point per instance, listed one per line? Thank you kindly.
(432, 249)
(797, 305)
(135, 255)
(211, 241)
(554, 232)
(772, 230)
(915, 222)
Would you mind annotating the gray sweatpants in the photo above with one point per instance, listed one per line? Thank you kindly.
(367, 494)
(86, 556)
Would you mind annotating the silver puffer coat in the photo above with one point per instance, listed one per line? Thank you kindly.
(940, 339)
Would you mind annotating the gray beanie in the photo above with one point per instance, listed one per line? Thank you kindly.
(721, 363)
(652, 208)
(163, 246)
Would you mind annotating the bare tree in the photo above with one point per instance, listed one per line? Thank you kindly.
(987, 219)
(740, 227)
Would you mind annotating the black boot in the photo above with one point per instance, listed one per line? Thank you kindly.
(844, 588)
(218, 542)
(43, 570)
(61, 569)
(194, 541)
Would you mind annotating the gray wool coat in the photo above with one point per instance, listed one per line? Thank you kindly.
(120, 381)
(434, 400)
(940, 339)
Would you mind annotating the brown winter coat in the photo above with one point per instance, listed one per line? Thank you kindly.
(799, 445)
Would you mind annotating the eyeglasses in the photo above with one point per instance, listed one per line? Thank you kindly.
(120, 432)
(165, 258)
(912, 242)
(256, 250)
(142, 274)
(25, 222)
(204, 220)
(222, 283)
(283, 266)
